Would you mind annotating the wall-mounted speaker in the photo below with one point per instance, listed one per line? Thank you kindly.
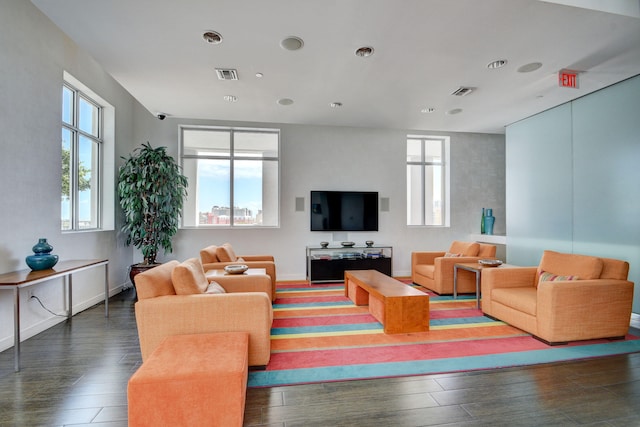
(299, 204)
(384, 204)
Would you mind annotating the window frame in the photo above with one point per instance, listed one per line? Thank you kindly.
(232, 157)
(74, 129)
(444, 174)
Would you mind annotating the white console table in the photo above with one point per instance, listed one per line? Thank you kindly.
(25, 278)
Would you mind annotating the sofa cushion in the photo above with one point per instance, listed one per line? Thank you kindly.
(464, 248)
(215, 288)
(156, 281)
(225, 253)
(584, 266)
(188, 278)
(546, 276)
(208, 254)
(426, 270)
(522, 299)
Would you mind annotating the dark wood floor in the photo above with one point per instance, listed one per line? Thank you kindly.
(76, 373)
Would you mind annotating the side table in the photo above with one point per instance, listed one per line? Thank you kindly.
(475, 268)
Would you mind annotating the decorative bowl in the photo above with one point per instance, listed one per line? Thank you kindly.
(490, 262)
(236, 268)
(369, 243)
(324, 244)
(348, 244)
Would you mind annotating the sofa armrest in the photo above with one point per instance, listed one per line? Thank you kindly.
(258, 258)
(160, 317)
(584, 309)
(425, 257)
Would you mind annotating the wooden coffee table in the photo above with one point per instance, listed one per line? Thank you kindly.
(399, 307)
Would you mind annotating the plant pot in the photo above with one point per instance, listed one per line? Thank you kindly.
(136, 269)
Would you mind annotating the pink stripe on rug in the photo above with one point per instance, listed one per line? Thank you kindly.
(410, 352)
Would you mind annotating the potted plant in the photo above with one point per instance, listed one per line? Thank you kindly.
(152, 190)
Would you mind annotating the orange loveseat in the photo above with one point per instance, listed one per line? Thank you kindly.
(173, 300)
(218, 257)
(568, 297)
(434, 270)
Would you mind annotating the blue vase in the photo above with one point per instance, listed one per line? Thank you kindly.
(42, 258)
(488, 224)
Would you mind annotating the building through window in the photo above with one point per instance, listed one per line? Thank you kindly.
(233, 176)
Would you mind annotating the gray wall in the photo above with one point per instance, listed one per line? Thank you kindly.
(34, 55)
(572, 180)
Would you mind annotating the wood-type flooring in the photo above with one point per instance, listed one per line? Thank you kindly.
(76, 374)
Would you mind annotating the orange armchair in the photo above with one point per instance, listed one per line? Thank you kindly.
(568, 297)
(218, 257)
(434, 270)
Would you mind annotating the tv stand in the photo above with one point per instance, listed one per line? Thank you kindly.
(328, 264)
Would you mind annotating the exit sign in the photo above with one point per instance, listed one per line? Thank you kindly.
(568, 78)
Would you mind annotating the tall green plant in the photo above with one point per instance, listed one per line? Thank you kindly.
(152, 189)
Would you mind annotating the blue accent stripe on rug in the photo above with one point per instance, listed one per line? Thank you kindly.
(434, 366)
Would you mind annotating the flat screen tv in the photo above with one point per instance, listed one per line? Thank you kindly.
(344, 211)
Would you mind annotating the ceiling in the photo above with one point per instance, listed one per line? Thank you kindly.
(424, 50)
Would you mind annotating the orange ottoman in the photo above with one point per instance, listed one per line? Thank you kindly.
(192, 380)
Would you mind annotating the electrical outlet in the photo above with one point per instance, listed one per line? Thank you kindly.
(29, 293)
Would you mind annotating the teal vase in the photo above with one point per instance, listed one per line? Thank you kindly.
(489, 220)
(42, 259)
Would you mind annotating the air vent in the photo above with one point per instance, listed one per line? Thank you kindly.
(227, 74)
(463, 91)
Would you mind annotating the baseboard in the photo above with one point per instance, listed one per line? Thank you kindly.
(635, 320)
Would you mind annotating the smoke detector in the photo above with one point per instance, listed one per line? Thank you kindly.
(227, 74)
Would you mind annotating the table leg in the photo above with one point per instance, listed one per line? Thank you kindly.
(16, 329)
(70, 291)
(477, 288)
(106, 290)
(455, 282)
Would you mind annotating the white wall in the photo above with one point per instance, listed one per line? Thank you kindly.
(573, 175)
(34, 54)
(343, 158)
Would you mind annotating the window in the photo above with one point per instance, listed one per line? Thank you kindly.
(427, 181)
(82, 119)
(233, 176)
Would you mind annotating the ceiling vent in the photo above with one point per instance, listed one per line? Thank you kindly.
(463, 91)
(227, 74)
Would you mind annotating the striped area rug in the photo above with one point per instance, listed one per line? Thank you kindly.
(319, 335)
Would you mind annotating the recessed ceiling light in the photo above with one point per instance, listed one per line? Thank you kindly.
(230, 98)
(497, 64)
(292, 43)
(335, 104)
(285, 101)
(428, 110)
(364, 51)
(259, 75)
(527, 68)
(454, 111)
(212, 37)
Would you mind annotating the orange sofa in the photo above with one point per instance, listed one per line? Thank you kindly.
(218, 257)
(176, 298)
(568, 297)
(434, 270)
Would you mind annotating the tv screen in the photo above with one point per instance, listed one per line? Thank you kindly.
(344, 211)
